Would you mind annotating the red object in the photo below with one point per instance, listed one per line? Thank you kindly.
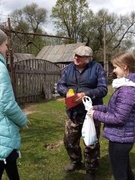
(70, 101)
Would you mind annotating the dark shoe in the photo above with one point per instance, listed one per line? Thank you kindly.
(89, 177)
(73, 166)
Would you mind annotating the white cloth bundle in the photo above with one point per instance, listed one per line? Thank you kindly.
(88, 129)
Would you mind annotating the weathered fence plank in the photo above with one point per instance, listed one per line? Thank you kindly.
(35, 79)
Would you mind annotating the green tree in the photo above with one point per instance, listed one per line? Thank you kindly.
(118, 31)
(107, 33)
(69, 16)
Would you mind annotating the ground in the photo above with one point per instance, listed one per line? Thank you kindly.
(27, 108)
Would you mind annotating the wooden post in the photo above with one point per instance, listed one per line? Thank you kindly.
(11, 58)
(104, 46)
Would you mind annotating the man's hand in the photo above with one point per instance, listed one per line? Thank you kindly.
(79, 97)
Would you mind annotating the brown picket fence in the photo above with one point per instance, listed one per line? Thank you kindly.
(35, 80)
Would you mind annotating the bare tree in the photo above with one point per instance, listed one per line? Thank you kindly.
(28, 19)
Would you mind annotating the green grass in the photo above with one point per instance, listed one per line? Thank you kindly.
(43, 153)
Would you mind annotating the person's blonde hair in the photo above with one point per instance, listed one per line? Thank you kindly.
(126, 58)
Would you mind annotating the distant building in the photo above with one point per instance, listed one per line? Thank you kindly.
(58, 54)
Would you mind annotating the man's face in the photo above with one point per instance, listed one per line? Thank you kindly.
(81, 61)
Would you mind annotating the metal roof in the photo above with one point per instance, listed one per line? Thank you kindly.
(58, 53)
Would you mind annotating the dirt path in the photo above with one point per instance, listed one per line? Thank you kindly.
(27, 108)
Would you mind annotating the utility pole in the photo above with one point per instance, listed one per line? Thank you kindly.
(104, 45)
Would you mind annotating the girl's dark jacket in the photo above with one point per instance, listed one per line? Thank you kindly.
(119, 115)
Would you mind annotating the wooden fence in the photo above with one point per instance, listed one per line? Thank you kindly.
(35, 80)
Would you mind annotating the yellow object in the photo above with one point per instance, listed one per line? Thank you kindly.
(70, 92)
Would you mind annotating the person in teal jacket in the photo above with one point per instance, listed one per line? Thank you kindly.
(12, 118)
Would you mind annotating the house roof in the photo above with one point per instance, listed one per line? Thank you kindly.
(58, 53)
(22, 56)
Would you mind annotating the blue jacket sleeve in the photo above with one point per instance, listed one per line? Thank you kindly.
(61, 86)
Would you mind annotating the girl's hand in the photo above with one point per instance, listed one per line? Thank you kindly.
(27, 125)
(90, 113)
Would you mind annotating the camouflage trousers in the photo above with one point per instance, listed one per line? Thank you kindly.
(72, 144)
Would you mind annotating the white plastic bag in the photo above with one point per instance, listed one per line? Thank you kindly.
(88, 129)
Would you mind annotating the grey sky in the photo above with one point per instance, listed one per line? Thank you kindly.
(117, 6)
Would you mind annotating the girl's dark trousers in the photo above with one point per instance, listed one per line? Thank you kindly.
(10, 165)
(119, 158)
